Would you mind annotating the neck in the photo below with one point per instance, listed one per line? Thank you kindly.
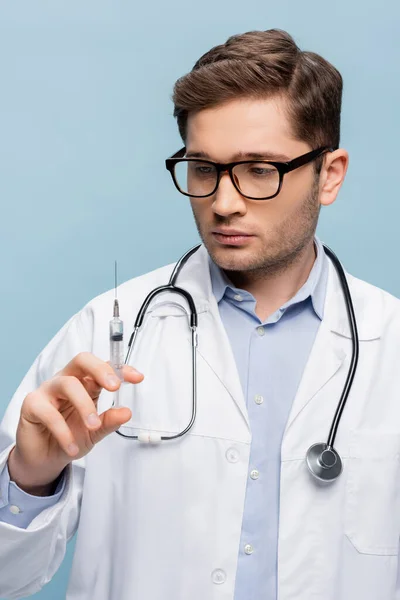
(272, 289)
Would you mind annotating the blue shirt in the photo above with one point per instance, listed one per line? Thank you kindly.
(270, 357)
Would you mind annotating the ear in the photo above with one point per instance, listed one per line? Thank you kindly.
(332, 175)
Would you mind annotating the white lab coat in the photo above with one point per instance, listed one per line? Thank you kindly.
(164, 521)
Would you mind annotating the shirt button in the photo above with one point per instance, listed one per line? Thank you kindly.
(254, 474)
(258, 399)
(260, 330)
(248, 549)
(232, 455)
(238, 297)
(14, 509)
(218, 576)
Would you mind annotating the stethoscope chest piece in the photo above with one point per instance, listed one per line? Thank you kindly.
(323, 462)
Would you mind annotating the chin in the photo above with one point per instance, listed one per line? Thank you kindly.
(231, 258)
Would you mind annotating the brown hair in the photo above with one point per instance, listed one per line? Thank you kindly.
(260, 64)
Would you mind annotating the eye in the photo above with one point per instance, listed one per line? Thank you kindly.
(263, 171)
(203, 169)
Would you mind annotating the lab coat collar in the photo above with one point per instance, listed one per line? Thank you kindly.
(367, 301)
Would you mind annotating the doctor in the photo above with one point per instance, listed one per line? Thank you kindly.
(230, 510)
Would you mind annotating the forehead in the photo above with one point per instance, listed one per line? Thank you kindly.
(243, 125)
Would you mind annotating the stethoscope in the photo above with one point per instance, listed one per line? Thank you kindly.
(323, 461)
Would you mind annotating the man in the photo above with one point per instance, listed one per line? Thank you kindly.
(229, 510)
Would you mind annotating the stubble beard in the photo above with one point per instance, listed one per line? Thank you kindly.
(290, 241)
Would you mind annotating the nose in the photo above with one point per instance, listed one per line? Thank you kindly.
(227, 199)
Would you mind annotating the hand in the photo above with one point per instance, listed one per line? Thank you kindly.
(59, 421)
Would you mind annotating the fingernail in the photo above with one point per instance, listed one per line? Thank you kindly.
(93, 420)
(73, 449)
(112, 380)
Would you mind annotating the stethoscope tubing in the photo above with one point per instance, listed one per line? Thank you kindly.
(322, 459)
(355, 347)
(172, 288)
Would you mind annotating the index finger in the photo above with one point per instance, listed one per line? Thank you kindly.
(86, 364)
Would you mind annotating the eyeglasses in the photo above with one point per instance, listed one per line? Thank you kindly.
(253, 179)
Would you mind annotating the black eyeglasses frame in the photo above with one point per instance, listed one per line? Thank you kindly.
(282, 168)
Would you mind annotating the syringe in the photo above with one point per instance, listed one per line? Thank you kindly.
(116, 340)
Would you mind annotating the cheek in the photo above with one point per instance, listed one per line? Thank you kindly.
(275, 214)
(270, 212)
(201, 210)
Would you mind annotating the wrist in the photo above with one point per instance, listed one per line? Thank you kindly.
(36, 483)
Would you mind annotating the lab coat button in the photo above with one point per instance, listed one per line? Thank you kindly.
(232, 455)
(260, 330)
(254, 474)
(14, 509)
(258, 399)
(248, 549)
(218, 576)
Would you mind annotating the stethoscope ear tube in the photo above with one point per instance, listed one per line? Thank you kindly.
(323, 461)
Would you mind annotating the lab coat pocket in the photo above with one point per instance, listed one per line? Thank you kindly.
(372, 506)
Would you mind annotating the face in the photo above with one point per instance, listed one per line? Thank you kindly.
(260, 234)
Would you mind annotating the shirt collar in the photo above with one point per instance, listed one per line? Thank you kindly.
(314, 287)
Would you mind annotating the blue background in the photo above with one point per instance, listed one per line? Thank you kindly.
(86, 123)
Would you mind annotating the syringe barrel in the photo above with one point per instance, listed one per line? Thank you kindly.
(116, 344)
(117, 354)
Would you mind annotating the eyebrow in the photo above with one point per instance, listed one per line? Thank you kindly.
(266, 155)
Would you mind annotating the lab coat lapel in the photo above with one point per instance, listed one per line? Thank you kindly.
(325, 359)
(331, 345)
(213, 343)
(327, 354)
(215, 348)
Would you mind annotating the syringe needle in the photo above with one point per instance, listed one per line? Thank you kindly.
(115, 274)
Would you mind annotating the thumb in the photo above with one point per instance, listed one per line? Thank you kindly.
(111, 420)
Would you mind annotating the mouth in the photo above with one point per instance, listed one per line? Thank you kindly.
(231, 237)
